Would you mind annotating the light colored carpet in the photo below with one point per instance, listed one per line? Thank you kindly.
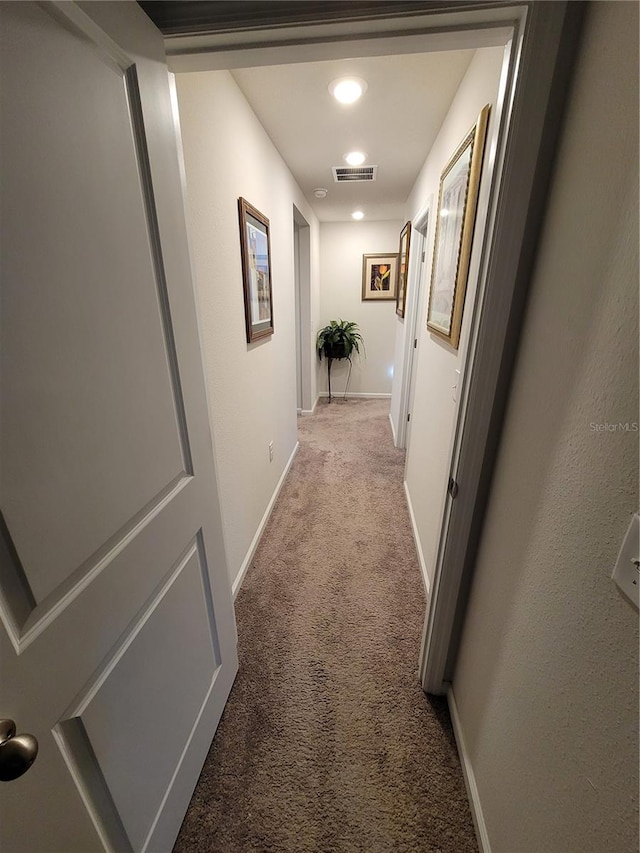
(328, 743)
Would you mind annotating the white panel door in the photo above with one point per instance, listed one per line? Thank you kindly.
(118, 646)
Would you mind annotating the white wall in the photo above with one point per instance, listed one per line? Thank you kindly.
(342, 245)
(251, 387)
(547, 679)
(433, 410)
(398, 358)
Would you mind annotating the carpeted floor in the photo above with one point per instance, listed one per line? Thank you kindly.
(328, 743)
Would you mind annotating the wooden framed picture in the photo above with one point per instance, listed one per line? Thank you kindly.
(403, 267)
(256, 271)
(379, 277)
(457, 203)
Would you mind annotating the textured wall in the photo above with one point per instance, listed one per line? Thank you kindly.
(342, 245)
(547, 679)
(433, 411)
(251, 387)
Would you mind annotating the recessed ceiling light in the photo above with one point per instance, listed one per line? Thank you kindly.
(348, 89)
(357, 214)
(320, 192)
(355, 158)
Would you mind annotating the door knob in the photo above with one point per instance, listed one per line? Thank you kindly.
(17, 752)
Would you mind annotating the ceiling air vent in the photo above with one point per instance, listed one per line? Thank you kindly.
(349, 173)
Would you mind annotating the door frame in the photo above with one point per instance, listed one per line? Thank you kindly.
(545, 38)
(417, 267)
(524, 164)
(302, 285)
(298, 318)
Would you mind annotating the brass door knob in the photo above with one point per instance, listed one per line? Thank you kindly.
(17, 752)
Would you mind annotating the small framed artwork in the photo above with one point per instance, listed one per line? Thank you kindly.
(403, 267)
(379, 277)
(457, 203)
(256, 271)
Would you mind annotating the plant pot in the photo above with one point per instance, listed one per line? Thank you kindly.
(338, 350)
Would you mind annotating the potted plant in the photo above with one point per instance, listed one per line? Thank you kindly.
(338, 340)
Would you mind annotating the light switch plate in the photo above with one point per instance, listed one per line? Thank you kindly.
(626, 574)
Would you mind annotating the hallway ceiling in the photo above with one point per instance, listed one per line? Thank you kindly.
(395, 122)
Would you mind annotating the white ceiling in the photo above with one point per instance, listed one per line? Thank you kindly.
(395, 123)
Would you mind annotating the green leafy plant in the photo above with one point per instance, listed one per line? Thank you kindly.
(339, 339)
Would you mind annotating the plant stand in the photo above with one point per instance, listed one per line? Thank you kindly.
(329, 363)
(338, 340)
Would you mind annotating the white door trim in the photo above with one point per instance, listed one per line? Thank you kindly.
(303, 317)
(448, 28)
(544, 47)
(417, 263)
(298, 313)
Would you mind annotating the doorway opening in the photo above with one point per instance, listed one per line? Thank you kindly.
(539, 43)
(302, 288)
(405, 370)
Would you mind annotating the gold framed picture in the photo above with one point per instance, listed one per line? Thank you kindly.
(457, 204)
(403, 267)
(255, 247)
(379, 277)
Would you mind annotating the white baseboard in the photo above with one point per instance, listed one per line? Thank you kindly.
(366, 394)
(482, 835)
(235, 587)
(416, 539)
(393, 429)
(309, 411)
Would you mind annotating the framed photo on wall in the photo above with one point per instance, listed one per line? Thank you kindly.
(455, 220)
(379, 277)
(403, 267)
(256, 271)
